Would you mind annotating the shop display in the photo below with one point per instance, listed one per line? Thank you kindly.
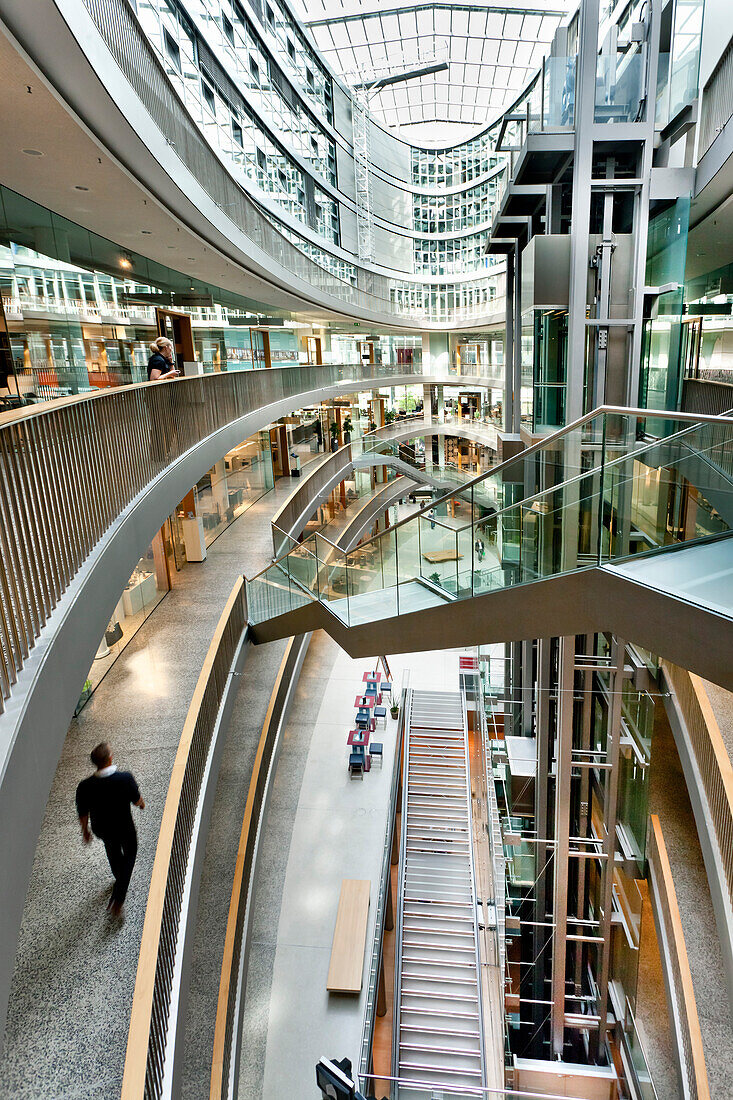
(140, 590)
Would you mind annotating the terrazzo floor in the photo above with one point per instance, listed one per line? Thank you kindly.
(75, 969)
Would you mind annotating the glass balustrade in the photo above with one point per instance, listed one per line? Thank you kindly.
(601, 491)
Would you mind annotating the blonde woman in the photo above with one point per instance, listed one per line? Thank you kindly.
(161, 403)
(160, 364)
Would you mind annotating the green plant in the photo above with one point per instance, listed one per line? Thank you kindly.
(372, 426)
(435, 578)
(348, 426)
(394, 710)
(389, 416)
(334, 429)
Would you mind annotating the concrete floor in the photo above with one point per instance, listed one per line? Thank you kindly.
(322, 827)
(75, 969)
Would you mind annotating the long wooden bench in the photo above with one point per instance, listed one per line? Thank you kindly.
(349, 937)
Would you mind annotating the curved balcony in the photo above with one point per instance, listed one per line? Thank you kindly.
(162, 160)
(87, 481)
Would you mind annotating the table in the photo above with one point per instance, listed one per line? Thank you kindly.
(358, 737)
(365, 702)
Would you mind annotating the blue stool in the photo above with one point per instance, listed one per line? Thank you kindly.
(356, 763)
(380, 715)
(375, 749)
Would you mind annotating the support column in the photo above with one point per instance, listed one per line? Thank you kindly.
(563, 772)
(585, 98)
(509, 346)
(586, 727)
(542, 935)
(613, 743)
(517, 344)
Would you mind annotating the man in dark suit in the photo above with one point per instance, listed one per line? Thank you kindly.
(105, 798)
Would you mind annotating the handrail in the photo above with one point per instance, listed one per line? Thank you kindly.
(687, 1020)
(225, 1029)
(541, 444)
(150, 1025)
(72, 466)
(711, 757)
(385, 888)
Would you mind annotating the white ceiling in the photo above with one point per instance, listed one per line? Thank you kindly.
(491, 48)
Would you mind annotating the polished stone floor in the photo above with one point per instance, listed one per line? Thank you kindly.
(75, 969)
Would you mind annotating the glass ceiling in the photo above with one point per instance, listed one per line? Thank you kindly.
(490, 48)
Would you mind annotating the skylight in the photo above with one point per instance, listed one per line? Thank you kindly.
(491, 50)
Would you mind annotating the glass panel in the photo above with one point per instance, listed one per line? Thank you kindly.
(618, 84)
(559, 105)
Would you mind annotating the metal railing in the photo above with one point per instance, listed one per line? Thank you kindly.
(702, 395)
(229, 1005)
(291, 518)
(711, 757)
(151, 1020)
(686, 1021)
(615, 442)
(717, 101)
(71, 467)
(385, 885)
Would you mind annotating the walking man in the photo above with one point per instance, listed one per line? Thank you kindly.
(106, 797)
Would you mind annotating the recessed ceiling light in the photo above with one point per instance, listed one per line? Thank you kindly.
(173, 246)
(147, 232)
(80, 187)
(32, 152)
(124, 262)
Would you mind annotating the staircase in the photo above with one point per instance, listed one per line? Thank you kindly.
(438, 1028)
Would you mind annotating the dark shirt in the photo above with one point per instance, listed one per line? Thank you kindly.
(107, 800)
(158, 362)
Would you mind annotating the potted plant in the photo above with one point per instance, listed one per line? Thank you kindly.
(334, 436)
(394, 710)
(348, 429)
(372, 426)
(389, 416)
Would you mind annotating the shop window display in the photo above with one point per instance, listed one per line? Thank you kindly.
(141, 595)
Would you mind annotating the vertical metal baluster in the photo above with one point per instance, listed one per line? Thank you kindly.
(26, 587)
(48, 507)
(78, 519)
(51, 428)
(42, 552)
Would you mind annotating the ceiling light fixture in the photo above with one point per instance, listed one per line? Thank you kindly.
(80, 187)
(125, 262)
(147, 232)
(32, 152)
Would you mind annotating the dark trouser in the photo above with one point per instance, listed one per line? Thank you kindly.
(121, 851)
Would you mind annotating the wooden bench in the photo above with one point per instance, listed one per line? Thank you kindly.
(436, 556)
(349, 937)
